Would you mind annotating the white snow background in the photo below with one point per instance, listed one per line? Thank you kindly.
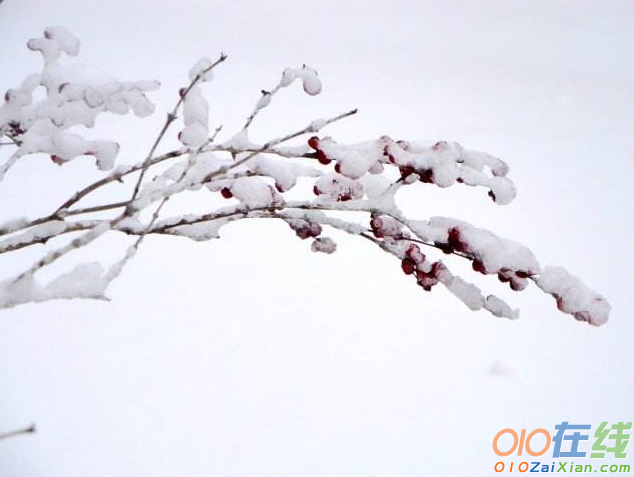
(251, 355)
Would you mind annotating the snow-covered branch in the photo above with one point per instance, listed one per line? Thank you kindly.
(345, 188)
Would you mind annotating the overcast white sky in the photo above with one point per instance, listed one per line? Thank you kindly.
(252, 356)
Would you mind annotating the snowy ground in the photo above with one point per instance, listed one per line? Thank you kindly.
(253, 356)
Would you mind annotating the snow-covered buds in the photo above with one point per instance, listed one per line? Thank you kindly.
(355, 186)
(305, 229)
(308, 75)
(75, 95)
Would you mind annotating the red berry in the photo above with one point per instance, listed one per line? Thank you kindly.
(226, 193)
(427, 176)
(406, 171)
(460, 180)
(314, 142)
(376, 224)
(436, 268)
(302, 233)
(316, 190)
(478, 266)
(412, 250)
(523, 274)
(323, 158)
(408, 266)
(338, 168)
(314, 230)
(58, 160)
(345, 197)
(455, 241)
(425, 280)
(414, 253)
(307, 230)
(517, 284)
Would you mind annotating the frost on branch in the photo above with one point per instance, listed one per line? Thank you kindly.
(316, 187)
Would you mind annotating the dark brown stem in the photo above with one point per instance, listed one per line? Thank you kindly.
(26, 430)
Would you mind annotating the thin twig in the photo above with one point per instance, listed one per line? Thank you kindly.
(171, 117)
(93, 234)
(258, 108)
(275, 142)
(117, 268)
(62, 211)
(130, 209)
(26, 430)
(116, 176)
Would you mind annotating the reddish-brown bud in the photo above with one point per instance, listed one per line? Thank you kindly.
(323, 158)
(406, 171)
(478, 266)
(427, 176)
(314, 142)
(408, 266)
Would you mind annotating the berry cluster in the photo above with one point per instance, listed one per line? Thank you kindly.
(37, 117)
(338, 188)
(415, 262)
(385, 226)
(348, 162)
(305, 229)
(425, 175)
(320, 154)
(517, 279)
